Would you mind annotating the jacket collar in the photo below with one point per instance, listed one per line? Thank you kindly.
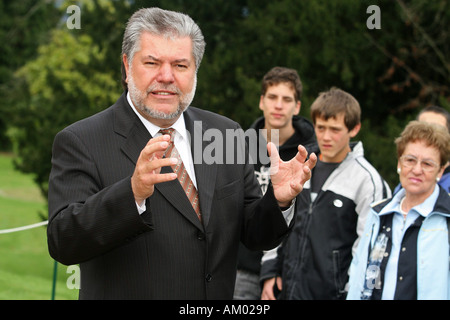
(439, 197)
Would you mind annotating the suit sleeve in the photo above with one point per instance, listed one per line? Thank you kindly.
(264, 224)
(85, 218)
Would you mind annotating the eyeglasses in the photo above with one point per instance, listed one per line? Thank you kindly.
(410, 161)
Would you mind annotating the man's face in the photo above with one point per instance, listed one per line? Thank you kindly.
(433, 117)
(333, 138)
(162, 78)
(279, 106)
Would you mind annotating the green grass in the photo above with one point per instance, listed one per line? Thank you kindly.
(26, 269)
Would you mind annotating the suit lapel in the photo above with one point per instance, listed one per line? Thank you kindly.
(128, 125)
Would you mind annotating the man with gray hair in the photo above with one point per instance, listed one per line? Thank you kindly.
(128, 202)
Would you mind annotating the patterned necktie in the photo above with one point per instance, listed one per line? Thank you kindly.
(180, 170)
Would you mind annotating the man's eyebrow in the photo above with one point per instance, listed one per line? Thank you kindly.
(185, 60)
(152, 57)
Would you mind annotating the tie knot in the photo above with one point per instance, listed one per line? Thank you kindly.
(168, 131)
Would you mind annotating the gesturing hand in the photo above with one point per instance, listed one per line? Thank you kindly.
(148, 167)
(289, 177)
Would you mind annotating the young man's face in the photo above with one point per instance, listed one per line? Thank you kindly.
(433, 117)
(279, 106)
(333, 138)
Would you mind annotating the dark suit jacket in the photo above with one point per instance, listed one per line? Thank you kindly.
(165, 253)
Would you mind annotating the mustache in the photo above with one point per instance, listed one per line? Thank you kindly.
(169, 87)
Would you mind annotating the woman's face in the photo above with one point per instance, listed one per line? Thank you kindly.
(419, 168)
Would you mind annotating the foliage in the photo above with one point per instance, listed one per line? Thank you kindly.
(393, 71)
(61, 86)
(23, 27)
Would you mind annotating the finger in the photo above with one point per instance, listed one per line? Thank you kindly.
(162, 177)
(298, 184)
(274, 158)
(155, 149)
(279, 283)
(157, 163)
(163, 137)
(267, 294)
(270, 295)
(273, 152)
(148, 173)
(312, 161)
(302, 154)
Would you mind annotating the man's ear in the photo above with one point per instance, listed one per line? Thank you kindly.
(355, 130)
(127, 67)
(297, 107)
(261, 104)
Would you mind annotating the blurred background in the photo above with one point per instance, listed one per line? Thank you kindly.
(52, 75)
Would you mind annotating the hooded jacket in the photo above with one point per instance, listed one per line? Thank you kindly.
(304, 134)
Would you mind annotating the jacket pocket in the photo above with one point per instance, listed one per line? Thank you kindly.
(227, 190)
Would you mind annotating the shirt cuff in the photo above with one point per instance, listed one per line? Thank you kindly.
(141, 208)
(288, 214)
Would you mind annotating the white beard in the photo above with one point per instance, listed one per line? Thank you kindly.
(138, 98)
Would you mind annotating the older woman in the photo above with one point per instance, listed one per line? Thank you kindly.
(404, 252)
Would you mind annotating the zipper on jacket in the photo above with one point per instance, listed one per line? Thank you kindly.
(337, 278)
(300, 258)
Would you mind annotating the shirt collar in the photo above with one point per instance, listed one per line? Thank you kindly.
(424, 209)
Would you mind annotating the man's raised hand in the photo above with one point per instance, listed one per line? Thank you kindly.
(147, 172)
(288, 177)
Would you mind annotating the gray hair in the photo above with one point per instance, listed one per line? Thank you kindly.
(163, 23)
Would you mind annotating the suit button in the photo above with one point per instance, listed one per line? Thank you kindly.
(208, 278)
(200, 236)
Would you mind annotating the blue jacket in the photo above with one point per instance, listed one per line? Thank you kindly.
(433, 273)
(445, 180)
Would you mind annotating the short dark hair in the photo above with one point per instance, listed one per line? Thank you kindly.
(278, 75)
(438, 110)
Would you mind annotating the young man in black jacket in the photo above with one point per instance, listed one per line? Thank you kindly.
(280, 103)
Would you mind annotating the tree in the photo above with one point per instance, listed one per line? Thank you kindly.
(23, 26)
(61, 86)
(392, 71)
